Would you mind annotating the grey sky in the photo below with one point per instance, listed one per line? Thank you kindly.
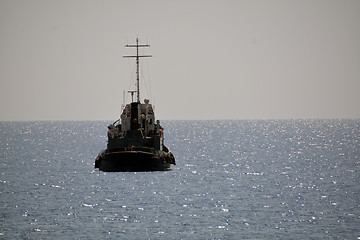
(62, 60)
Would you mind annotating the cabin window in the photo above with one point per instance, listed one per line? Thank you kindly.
(150, 121)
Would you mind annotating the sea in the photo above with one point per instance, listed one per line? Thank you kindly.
(233, 179)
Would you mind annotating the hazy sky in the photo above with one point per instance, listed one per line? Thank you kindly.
(62, 60)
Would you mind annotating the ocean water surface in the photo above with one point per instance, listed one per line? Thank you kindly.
(285, 179)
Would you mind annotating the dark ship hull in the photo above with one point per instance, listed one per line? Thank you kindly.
(135, 159)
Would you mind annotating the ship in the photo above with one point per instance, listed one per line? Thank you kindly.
(136, 139)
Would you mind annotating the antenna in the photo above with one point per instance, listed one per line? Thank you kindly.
(123, 103)
(137, 56)
(132, 95)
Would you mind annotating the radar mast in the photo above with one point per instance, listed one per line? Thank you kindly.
(137, 56)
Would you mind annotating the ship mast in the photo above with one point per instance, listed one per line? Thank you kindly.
(137, 56)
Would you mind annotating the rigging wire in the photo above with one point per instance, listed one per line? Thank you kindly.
(143, 78)
(148, 72)
(132, 78)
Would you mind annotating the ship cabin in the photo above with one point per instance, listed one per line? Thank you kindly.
(136, 127)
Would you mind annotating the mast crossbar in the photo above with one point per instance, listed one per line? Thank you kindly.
(137, 56)
(143, 45)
